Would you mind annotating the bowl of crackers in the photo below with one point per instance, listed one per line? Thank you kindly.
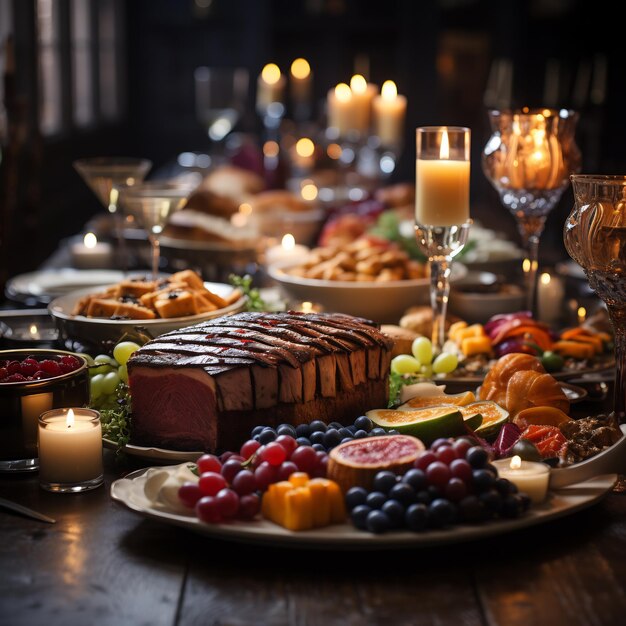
(369, 277)
(141, 308)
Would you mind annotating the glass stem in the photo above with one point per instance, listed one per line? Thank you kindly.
(618, 320)
(156, 253)
(530, 228)
(439, 294)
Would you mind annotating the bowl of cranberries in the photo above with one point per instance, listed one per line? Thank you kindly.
(33, 381)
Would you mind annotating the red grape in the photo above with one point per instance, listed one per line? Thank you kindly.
(305, 458)
(211, 482)
(425, 459)
(249, 506)
(189, 494)
(287, 442)
(446, 454)
(244, 482)
(207, 510)
(230, 469)
(319, 471)
(286, 470)
(225, 456)
(442, 442)
(438, 474)
(462, 446)
(460, 468)
(227, 503)
(455, 490)
(249, 448)
(273, 453)
(265, 475)
(209, 463)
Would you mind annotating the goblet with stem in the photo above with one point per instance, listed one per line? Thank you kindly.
(442, 220)
(151, 204)
(105, 176)
(595, 237)
(528, 159)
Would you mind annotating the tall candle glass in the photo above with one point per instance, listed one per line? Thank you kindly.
(528, 159)
(442, 219)
(595, 237)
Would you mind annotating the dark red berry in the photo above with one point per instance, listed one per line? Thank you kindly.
(14, 367)
(51, 367)
(15, 378)
(29, 366)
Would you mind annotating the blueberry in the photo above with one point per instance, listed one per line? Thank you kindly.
(375, 499)
(335, 425)
(318, 447)
(257, 438)
(492, 468)
(355, 496)
(303, 441)
(317, 426)
(378, 522)
(364, 423)
(512, 506)
(492, 501)
(477, 457)
(525, 500)
(303, 430)
(483, 480)
(267, 436)
(359, 516)
(416, 478)
(441, 513)
(404, 493)
(433, 492)
(286, 429)
(423, 497)
(345, 432)
(317, 437)
(505, 487)
(471, 509)
(377, 432)
(257, 430)
(395, 511)
(384, 481)
(416, 517)
(331, 438)
(393, 431)
(360, 434)
(346, 439)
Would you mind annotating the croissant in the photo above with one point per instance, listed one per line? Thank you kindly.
(519, 381)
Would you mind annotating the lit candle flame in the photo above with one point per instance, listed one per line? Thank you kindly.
(582, 314)
(526, 266)
(358, 84)
(545, 279)
(69, 420)
(271, 149)
(33, 329)
(90, 241)
(307, 307)
(516, 462)
(389, 90)
(245, 208)
(300, 68)
(342, 92)
(271, 74)
(305, 147)
(444, 149)
(288, 242)
(309, 192)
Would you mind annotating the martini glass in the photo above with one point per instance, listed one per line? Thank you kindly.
(105, 176)
(151, 204)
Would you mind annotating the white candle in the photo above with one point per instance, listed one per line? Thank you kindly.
(91, 253)
(442, 189)
(531, 478)
(362, 95)
(300, 81)
(550, 294)
(389, 114)
(33, 406)
(340, 109)
(287, 252)
(270, 86)
(303, 154)
(70, 449)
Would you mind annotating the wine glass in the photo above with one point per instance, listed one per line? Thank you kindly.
(442, 220)
(105, 176)
(595, 237)
(221, 95)
(528, 159)
(151, 204)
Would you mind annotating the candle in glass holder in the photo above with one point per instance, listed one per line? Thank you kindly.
(531, 478)
(70, 450)
(389, 114)
(91, 253)
(287, 252)
(442, 183)
(270, 86)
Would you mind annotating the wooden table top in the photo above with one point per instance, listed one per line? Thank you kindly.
(102, 564)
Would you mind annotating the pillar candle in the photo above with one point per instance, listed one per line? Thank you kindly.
(300, 81)
(389, 114)
(270, 86)
(340, 109)
(362, 93)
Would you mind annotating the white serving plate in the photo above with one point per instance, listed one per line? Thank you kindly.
(97, 330)
(129, 491)
(167, 457)
(383, 302)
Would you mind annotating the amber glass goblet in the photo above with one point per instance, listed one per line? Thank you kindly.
(595, 237)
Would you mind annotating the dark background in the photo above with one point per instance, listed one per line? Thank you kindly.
(439, 52)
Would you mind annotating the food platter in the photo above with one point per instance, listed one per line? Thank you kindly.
(165, 456)
(129, 491)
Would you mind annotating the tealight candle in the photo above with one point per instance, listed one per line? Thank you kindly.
(389, 113)
(308, 307)
(70, 450)
(531, 478)
(287, 251)
(91, 253)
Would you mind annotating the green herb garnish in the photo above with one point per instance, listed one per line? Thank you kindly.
(115, 418)
(253, 297)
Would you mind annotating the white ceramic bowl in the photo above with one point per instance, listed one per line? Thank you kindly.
(383, 302)
(609, 461)
(98, 332)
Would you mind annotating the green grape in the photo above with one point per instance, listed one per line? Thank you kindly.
(445, 363)
(123, 350)
(96, 386)
(105, 358)
(405, 364)
(422, 350)
(87, 358)
(122, 372)
(100, 369)
(426, 371)
(110, 382)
